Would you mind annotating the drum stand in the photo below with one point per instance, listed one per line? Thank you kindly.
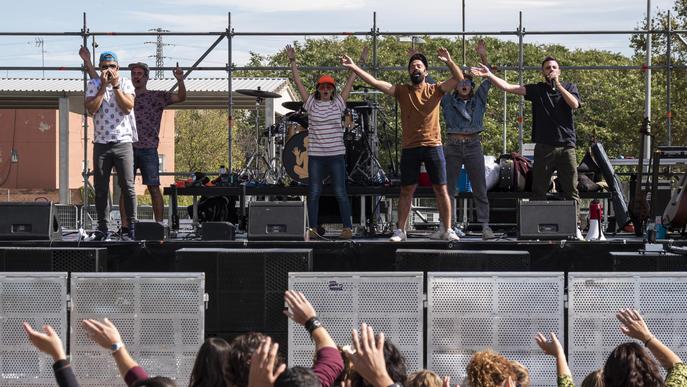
(252, 168)
(367, 166)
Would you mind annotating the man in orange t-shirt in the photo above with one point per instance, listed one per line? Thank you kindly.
(419, 102)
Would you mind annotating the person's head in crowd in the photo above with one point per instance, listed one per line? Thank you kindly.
(395, 367)
(522, 374)
(489, 369)
(211, 367)
(157, 381)
(424, 378)
(242, 348)
(466, 87)
(297, 377)
(629, 365)
(594, 379)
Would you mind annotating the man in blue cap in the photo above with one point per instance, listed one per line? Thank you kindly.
(110, 98)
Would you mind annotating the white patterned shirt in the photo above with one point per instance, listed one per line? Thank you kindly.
(110, 122)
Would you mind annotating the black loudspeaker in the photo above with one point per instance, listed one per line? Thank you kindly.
(69, 259)
(150, 231)
(543, 219)
(627, 261)
(461, 260)
(217, 231)
(276, 221)
(29, 221)
(246, 286)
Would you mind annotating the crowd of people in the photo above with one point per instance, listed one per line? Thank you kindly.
(253, 360)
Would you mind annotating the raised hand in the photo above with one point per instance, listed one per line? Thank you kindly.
(290, 53)
(262, 365)
(551, 346)
(363, 54)
(481, 48)
(48, 342)
(481, 71)
(633, 325)
(368, 357)
(443, 55)
(103, 333)
(346, 61)
(300, 310)
(85, 54)
(296, 152)
(178, 73)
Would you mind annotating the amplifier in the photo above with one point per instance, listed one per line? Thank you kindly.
(29, 221)
(217, 231)
(543, 219)
(276, 221)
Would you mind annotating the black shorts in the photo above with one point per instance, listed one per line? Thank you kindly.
(435, 164)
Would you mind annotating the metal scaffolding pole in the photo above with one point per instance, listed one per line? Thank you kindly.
(84, 172)
(521, 102)
(505, 116)
(647, 83)
(669, 75)
(230, 99)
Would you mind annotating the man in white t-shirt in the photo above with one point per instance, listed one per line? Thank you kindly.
(110, 99)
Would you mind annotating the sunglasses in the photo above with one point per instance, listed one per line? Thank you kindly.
(465, 82)
(110, 66)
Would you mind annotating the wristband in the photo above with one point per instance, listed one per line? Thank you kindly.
(646, 343)
(115, 87)
(312, 324)
(116, 347)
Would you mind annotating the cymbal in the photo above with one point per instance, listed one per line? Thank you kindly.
(258, 93)
(292, 105)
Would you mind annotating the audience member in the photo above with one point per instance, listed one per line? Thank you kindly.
(424, 378)
(49, 342)
(594, 379)
(630, 365)
(211, 368)
(554, 348)
(522, 374)
(490, 369)
(242, 349)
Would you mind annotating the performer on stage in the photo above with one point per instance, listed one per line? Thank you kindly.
(110, 98)
(464, 113)
(553, 128)
(326, 150)
(419, 103)
(148, 108)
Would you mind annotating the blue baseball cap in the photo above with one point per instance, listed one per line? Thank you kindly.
(107, 56)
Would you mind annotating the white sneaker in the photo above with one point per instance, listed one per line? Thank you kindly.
(399, 236)
(438, 234)
(451, 235)
(578, 234)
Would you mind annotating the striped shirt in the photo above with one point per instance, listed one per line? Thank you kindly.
(325, 132)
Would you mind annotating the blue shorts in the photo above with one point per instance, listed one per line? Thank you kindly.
(435, 163)
(148, 161)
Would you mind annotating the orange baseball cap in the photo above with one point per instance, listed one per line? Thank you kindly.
(326, 79)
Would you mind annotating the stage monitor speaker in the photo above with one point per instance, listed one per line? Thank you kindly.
(461, 260)
(29, 221)
(246, 286)
(543, 219)
(52, 259)
(630, 261)
(276, 221)
(217, 231)
(151, 231)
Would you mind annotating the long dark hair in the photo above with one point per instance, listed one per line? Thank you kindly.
(211, 368)
(395, 367)
(629, 365)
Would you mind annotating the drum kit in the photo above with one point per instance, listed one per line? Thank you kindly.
(285, 155)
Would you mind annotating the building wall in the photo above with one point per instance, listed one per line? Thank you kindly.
(33, 134)
(36, 140)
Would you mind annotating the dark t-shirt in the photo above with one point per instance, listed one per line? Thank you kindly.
(148, 108)
(552, 118)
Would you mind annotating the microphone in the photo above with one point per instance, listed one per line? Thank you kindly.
(553, 84)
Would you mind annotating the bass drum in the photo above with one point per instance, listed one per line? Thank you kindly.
(295, 157)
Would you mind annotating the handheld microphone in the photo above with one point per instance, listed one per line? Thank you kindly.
(553, 84)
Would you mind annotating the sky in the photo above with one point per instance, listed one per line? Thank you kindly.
(273, 16)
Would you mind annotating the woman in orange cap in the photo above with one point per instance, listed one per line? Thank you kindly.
(326, 150)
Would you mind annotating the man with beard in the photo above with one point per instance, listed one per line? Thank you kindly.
(553, 128)
(419, 103)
